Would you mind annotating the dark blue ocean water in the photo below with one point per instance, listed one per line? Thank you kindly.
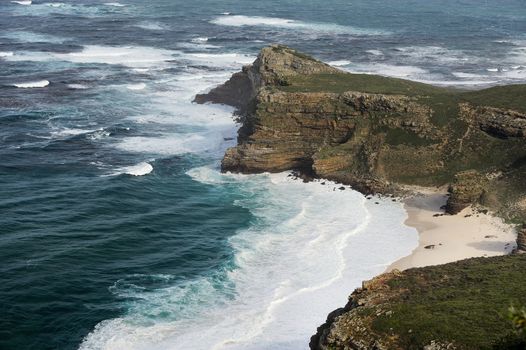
(117, 230)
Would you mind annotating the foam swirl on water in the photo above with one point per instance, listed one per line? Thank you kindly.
(310, 244)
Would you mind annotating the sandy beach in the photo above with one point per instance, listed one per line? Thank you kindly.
(448, 238)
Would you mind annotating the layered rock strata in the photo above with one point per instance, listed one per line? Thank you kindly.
(376, 133)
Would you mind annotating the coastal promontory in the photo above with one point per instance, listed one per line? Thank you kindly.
(377, 133)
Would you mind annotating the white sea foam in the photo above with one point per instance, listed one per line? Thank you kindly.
(340, 63)
(6, 53)
(32, 37)
(99, 134)
(398, 71)
(139, 86)
(141, 169)
(22, 2)
(221, 60)
(310, 244)
(78, 86)
(114, 4)
(132, 56)
(375, 52)
(151, 25)
(70, 132)
(258, 21)
(200, 40)
(467, 75)
(55, 4)
(32, 84)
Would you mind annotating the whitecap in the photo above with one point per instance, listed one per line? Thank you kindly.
(114, 4)
(6, 53)
(339, 63)
(397, 71)
(132, 56)
(32, 37)
(200, 40)
(78, 86)
(240, 21)
(70, 132)
(433, 54)
(139, 86)
(22, 2)
(150, 25)
(99, 134)
(141, 169)
(467, 75)
(375, 52)
(32, 84)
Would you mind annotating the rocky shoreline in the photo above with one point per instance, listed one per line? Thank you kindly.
(380, 135)
(376, 133)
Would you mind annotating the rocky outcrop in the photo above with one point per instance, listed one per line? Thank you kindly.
(373, 133)
(467, 189)
(521, 240)
(274, 65)
(499, 122)
(346, 329)
(436, 307)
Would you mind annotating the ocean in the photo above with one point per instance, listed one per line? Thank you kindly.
(117, 229)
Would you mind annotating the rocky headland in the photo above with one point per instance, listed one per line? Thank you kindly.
(381, 136)
(377, 133)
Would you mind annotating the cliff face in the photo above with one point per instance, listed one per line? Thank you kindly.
(433, 308)
(377, 133)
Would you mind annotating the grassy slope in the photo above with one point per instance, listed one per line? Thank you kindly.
(464, 302)
(511, 96)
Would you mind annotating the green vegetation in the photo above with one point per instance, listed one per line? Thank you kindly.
(405, 137)
(375, 84)
(443, 101)
(518, 319)
(464, 303)
(507, 97)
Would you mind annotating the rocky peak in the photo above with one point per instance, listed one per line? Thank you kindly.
(273, 66)
(277, 62)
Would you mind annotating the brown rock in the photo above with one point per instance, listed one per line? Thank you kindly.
(521, 240)
(466, 190)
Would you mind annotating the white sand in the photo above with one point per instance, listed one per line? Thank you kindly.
(450, 238)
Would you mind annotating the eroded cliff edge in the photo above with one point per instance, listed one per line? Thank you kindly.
(461, 305)
(377, 133)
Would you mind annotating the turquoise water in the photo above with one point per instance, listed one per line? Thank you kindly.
(117, 230)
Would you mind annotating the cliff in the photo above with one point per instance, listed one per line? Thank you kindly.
(377, 133)
(462, 305)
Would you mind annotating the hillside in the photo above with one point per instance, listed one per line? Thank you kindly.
(378, 133)
(462, 305)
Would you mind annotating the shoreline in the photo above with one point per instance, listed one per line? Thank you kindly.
(447, 238)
